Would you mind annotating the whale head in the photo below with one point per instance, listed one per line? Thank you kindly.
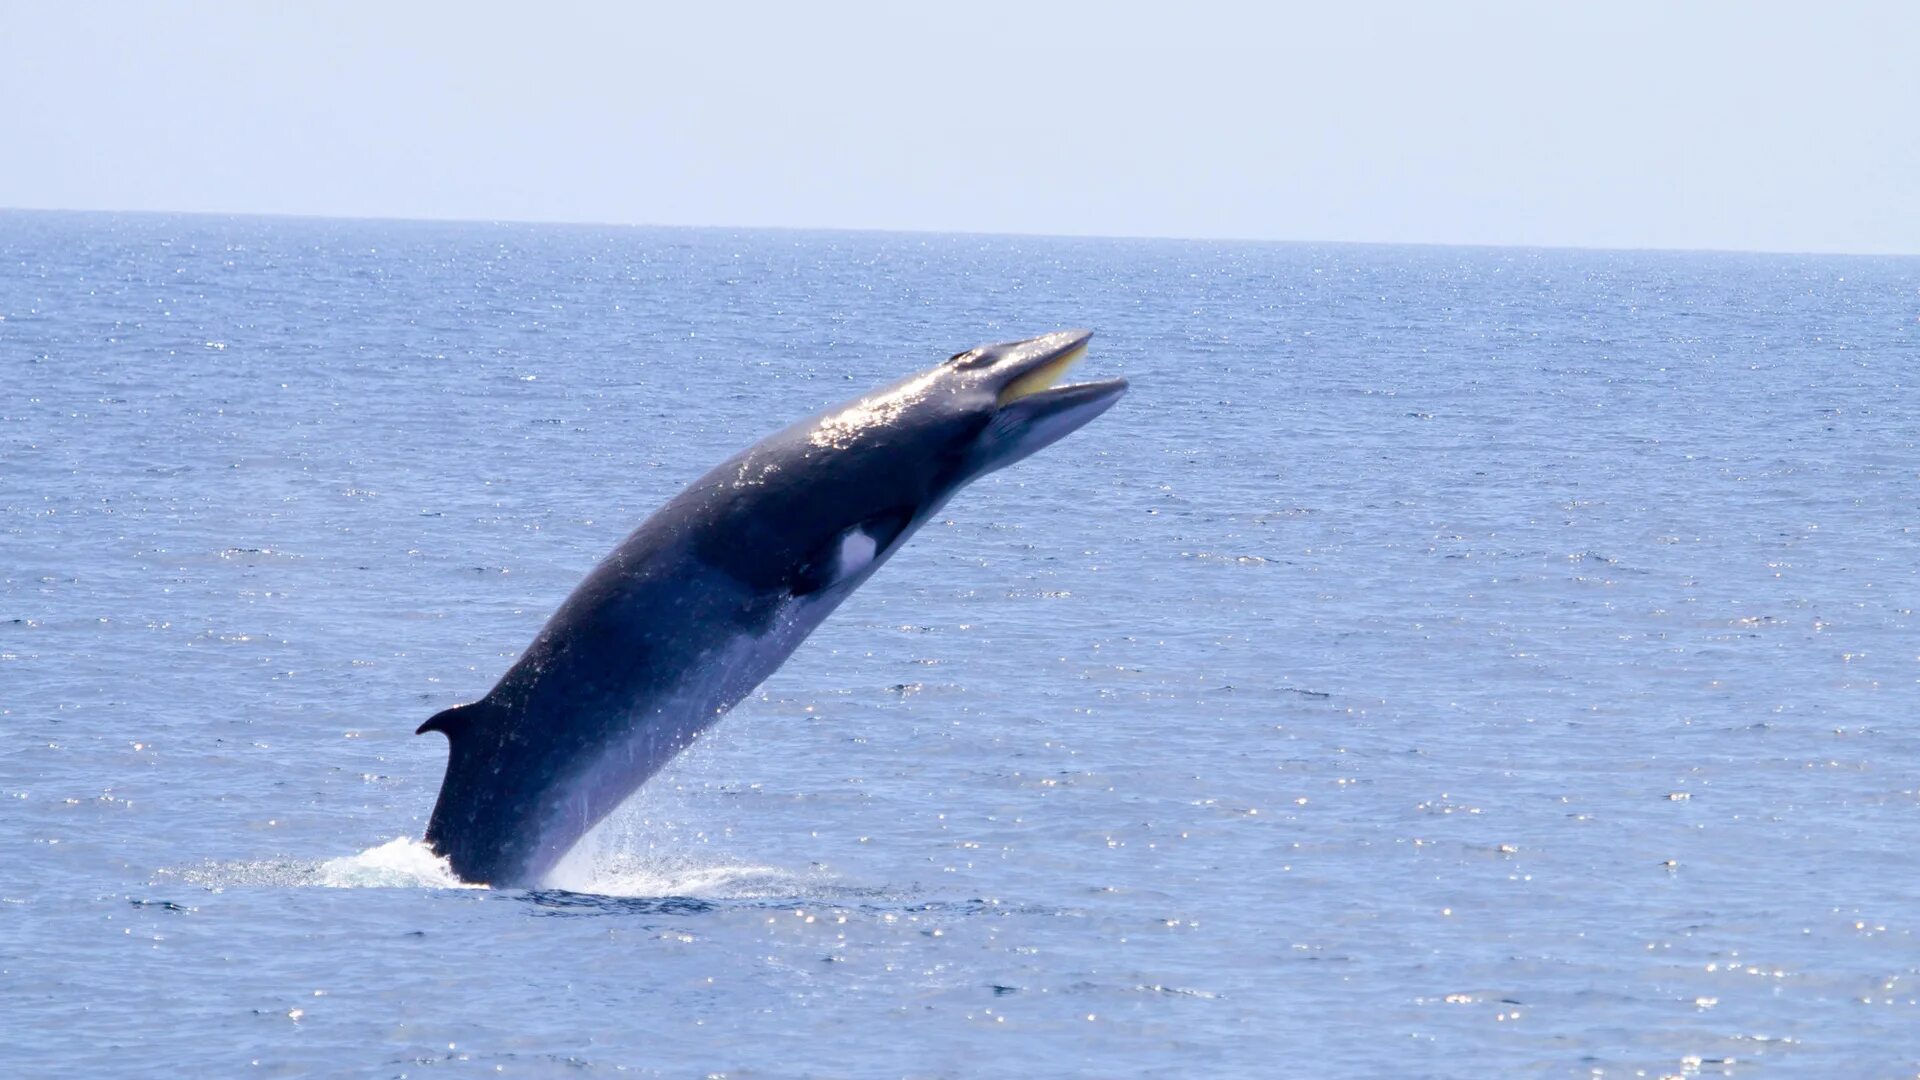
(848, 485)
(1028, 409)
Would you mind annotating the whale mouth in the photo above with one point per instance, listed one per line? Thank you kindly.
(1034, 409)
(1039, 375)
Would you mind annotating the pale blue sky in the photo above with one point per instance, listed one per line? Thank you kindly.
(1786, 127)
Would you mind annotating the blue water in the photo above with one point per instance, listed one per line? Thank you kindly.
(1445, 662)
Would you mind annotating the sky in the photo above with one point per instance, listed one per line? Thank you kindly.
(1746, 126)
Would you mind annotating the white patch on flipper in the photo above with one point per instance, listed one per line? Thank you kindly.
(857, 548)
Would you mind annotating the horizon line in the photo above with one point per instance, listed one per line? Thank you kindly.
(401, 219)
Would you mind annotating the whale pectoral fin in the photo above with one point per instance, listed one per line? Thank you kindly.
(451, 722)
(850, 552)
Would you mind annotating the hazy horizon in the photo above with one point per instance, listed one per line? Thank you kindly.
(1714, 127)
(1257, 240)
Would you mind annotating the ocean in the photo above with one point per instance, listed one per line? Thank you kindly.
(1444, 662)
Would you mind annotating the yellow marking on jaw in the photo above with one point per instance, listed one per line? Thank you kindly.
(1040, 378)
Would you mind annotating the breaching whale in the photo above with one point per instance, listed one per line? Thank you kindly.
(712, 593)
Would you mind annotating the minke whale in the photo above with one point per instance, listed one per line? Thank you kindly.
(712, 593)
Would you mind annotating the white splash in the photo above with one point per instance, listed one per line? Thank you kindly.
(604, 868)
(402, 863)
(642, 852)
(625, 874)
(645, 850)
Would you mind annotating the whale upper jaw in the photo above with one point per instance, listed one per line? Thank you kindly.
(1032, 410)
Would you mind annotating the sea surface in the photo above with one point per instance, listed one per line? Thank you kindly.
(1444, 662)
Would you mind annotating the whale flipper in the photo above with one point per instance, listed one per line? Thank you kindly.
(850, 552)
